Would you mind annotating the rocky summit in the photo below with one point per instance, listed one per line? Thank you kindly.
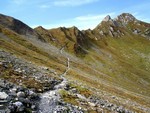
(107, 18)
(66, 70)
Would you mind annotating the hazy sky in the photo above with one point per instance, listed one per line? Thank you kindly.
(81, 13)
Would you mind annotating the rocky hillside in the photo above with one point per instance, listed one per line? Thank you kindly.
(122, 25)
(67, 70)
(71, 39)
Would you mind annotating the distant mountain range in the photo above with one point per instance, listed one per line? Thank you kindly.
(112, 61)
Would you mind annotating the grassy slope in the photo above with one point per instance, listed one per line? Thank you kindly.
(120, 66)
(25, 49)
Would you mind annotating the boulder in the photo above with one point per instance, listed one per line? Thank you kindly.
(74, 90)
(19, 106)
(20, 94)
(13, 90)
(3, 95)
(92, 104)
(33, 95)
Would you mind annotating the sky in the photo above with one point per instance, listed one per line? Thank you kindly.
(83, 14)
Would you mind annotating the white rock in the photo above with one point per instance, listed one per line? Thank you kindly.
(18, 70)
(31, 92)
(92, 104)
(111, 34)
(18, 104)
(96, 38)
(107, 18)
(74, 90)
(3, 95)
(55, 111)
(13, 90)
(20, 94)
(101, 32)
(111, 28)
(81, 97)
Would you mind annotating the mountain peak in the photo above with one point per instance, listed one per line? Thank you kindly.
(107, 18)
(126, 15)
(39, 27)
(74, 27)
(15, 25)
(125, 18)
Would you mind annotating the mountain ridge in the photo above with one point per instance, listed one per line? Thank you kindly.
(109, 66)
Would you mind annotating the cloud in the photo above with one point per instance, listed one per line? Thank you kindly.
(90, 21)
(73, 2)
(142, 17)
(93, 17)
(82, 22)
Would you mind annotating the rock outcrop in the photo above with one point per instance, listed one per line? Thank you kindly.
(125, 18)
(107, 18)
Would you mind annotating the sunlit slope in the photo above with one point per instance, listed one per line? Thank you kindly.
(114, 57)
